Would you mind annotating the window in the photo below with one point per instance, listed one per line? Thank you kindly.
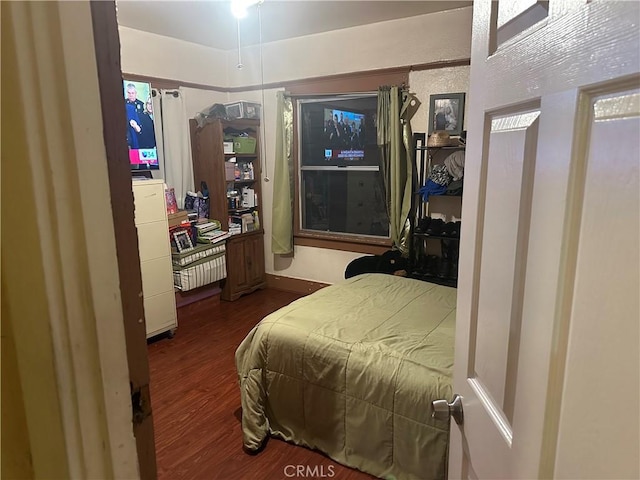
(341, 190)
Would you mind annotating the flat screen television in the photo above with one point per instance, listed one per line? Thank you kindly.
(141, 136)
(339, 132)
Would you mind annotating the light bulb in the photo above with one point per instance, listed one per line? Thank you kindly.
(239, 8)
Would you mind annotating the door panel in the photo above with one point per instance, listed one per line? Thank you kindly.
(515, 16)
(606, 256)
(507, 206)
(237, 264)
(256, 260)
(547, 322)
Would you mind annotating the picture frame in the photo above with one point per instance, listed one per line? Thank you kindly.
(446, 112)
(183, 241)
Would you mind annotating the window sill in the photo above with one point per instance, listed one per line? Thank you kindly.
(347, 244)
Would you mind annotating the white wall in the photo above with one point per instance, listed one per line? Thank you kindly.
(412, 41)
(408, 41)
(157, 56)
(197, 99)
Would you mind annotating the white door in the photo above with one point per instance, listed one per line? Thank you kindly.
(547, 336)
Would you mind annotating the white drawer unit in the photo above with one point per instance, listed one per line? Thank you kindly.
(155, 257)
(149, 235)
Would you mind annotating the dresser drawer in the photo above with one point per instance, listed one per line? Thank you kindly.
(157, 276)
(153, 240)
(149, 203)
(160, 313)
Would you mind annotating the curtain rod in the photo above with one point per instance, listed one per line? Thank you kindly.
(175, 93)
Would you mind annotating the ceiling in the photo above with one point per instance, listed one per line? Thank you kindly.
(210, 22)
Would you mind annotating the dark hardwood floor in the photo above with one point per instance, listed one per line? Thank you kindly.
(196, 399)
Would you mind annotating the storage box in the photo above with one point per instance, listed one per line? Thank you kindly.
(202, 272)
(227, 147)
(177, 218)
(242, 109)
(244, 145)
(229, 171)
(199, 252)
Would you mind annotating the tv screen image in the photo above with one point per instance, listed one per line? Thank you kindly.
(339, 132)
(141, 136)
(344, 134)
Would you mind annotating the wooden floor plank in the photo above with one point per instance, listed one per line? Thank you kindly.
(196, 399)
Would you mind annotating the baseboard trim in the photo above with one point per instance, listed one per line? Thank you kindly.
(294, 285)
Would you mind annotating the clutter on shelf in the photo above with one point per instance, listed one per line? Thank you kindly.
(228, 111)
(436, 222)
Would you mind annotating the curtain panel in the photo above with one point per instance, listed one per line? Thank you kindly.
(178, 168)
(395, 108)
(283, 187)
(157, 125)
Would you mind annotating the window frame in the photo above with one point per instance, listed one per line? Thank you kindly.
(333, 236)
(359, 83)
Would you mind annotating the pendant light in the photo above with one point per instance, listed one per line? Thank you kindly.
(239, 9)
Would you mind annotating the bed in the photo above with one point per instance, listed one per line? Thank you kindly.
(351, 370)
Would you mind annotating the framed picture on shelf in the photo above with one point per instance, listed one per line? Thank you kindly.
(446, 112)
(183, 241)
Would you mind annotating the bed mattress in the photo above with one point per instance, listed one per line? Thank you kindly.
(351, 370)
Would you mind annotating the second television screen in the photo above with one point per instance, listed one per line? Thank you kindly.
(141, 136)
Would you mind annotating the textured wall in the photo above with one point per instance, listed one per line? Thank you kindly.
(429, 82)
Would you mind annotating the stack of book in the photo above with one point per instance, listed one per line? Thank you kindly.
(210, 232)
(235, 225)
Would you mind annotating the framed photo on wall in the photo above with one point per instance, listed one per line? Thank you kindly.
(446, 112)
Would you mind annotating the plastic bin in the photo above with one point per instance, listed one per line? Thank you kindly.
(244, 145)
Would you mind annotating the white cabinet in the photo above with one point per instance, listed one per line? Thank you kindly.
(155, 256)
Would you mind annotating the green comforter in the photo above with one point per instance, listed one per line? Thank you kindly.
(351, 370)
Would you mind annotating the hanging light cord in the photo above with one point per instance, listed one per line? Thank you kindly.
(262, 123)
(239, 65)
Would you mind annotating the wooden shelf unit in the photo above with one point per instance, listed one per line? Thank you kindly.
(245, 251)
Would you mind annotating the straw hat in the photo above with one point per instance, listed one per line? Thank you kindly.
(439, 138)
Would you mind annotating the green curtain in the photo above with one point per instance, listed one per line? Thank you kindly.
(282, 207)
(397, 157)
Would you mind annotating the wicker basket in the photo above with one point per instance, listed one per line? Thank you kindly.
(439, 138)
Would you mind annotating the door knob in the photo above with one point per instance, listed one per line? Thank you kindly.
(442, 409)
